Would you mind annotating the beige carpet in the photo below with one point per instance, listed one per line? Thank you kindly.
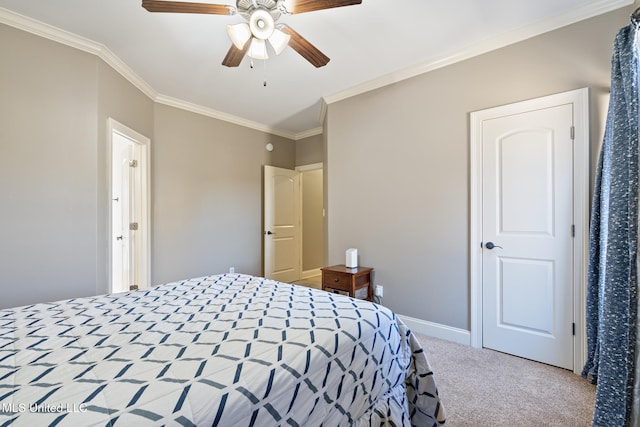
(481, 387)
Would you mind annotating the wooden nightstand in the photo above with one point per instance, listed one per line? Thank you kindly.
(358, 281)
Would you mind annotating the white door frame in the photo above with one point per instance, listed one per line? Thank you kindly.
(144, 229)
(580, 100)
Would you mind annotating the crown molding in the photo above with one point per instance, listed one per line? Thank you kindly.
(209, 112)
(323, 110)
(119, 66)
(75, 41)
(58, 35)
(494, 43)
(47, 31)
(240, 121)
(308, 133)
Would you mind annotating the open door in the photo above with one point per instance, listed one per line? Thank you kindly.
(129, 194)
(281, 215)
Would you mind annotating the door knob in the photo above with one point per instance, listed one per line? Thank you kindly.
(269, 233)
(491, 245)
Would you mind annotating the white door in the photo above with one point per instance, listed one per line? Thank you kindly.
(120, 260)
(129, 210)
(527, 219)
(281, 224)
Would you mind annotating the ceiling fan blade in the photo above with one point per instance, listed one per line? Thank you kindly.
(234, 55)
(302, 6)
(304, 48)
(187, 7)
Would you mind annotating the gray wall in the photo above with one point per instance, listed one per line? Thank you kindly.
(206, 177)
(397, 161)
(207, 194)
(48, 155)
(309, 150)
(396, 169)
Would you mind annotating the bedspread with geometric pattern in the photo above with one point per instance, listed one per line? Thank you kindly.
(223, 350)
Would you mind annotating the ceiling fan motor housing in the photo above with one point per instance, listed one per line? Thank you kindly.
(246, 8)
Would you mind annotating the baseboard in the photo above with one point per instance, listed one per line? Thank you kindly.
(437, 330)
(310, 273)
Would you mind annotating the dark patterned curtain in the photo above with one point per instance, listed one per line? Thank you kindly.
(612, 295)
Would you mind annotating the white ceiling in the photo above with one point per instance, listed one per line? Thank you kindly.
(177, 57)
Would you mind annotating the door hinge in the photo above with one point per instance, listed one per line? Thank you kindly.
(573, 230)
(133, 163)
(573, 329)
(133, 226)
(573, 132)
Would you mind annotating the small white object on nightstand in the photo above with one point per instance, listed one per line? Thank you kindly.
(351, 260)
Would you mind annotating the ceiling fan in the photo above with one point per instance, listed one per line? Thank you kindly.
(250, 37)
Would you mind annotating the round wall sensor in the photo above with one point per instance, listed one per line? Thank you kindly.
(269, 147)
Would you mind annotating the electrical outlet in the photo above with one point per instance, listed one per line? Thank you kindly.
(232, 269)
(379, 291)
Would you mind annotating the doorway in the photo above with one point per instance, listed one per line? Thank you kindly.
(529, 228)
(312, 217)
(129, 208)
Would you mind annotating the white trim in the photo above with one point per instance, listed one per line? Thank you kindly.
(475, 229)
(58, 35)
(114, 126)
(436, 330)
(308, 133)
(61, 36)
(75, 41)
(580, 100)
(487, 45)
(210, 112)
(47, 31)
(581, 209)
(310, 167)
(323, 110)
(125, 71)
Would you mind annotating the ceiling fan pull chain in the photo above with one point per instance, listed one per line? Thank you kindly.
(264, 61)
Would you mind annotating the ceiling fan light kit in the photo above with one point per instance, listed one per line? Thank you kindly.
(261, 24)
(258, 49)
(239, 34)
(261, 15)
(279, 41)
(261, 27)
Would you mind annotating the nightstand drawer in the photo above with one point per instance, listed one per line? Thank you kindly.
(336, 281)
(356, 281)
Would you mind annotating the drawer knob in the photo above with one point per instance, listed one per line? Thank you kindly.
(336, 280)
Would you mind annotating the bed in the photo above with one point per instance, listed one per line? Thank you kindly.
(223, 350)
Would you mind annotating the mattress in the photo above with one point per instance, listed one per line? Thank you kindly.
(223, 350)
